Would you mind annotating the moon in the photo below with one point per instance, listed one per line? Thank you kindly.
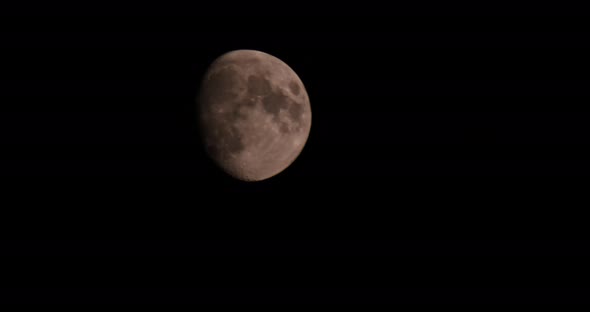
(254, 114)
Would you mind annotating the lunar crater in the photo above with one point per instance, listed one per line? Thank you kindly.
(294, 87)
(227, 141)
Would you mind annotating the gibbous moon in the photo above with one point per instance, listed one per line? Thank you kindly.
(254, 114)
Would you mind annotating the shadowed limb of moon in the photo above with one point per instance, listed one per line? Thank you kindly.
(254, 114)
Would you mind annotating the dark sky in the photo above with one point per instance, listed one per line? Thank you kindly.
(448, 150)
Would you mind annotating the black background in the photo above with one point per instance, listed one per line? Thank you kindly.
(447, 159)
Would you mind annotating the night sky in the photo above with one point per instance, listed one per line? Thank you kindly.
(446, 161)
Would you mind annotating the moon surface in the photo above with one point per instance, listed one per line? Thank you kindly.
(254, 114)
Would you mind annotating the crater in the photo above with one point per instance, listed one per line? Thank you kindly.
(250, 102)
(296, 112)
(233, 142)
(284, 128)
(224, 142)
(294, 87)
(230, 141)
